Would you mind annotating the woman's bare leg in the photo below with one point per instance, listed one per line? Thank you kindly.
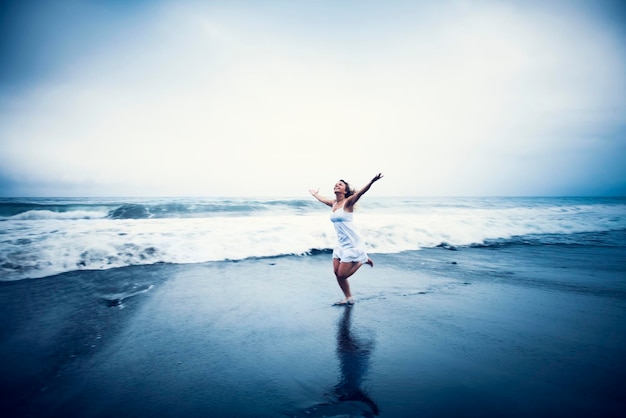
(343, 283)
(348, 269)
(342, 272)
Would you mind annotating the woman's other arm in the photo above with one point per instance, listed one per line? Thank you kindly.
(322, 199)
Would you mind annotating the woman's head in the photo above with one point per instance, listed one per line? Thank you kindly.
(342, 186)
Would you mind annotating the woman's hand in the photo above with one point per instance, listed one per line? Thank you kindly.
(314, 192)
(377, 177)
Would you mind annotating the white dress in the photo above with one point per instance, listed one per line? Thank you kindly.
(350, 248)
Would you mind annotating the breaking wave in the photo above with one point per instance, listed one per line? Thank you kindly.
(39, 239)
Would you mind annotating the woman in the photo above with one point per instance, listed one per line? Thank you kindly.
(349, 254)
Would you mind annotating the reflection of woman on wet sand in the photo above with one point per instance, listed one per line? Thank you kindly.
(354, 355)
(346, 397)
(349, 255)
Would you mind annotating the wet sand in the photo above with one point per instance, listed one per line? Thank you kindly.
(511, 332)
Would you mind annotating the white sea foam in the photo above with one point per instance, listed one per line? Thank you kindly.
(32, 215)
(38, 243)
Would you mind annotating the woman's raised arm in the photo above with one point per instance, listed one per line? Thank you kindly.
(357, 195)
(322, 199)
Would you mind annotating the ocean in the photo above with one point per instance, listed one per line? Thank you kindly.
(41, 237)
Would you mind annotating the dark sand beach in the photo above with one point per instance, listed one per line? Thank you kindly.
(516, 331)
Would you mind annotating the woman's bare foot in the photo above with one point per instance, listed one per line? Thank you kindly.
(345, 301)
(370, 262)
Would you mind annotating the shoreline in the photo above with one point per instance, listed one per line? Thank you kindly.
(526, 331)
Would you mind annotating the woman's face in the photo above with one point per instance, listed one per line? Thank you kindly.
(340, 187)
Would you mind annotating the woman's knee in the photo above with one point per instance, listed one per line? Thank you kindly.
(341, 273)
(346, 270)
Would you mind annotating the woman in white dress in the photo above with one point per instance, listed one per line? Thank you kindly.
(350, 253)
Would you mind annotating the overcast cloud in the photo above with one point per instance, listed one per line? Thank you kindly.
(271, 98)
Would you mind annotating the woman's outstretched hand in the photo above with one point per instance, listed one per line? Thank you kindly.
(377, 177)
(314, 192)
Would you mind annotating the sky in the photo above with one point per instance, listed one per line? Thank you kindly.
(272, 98)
